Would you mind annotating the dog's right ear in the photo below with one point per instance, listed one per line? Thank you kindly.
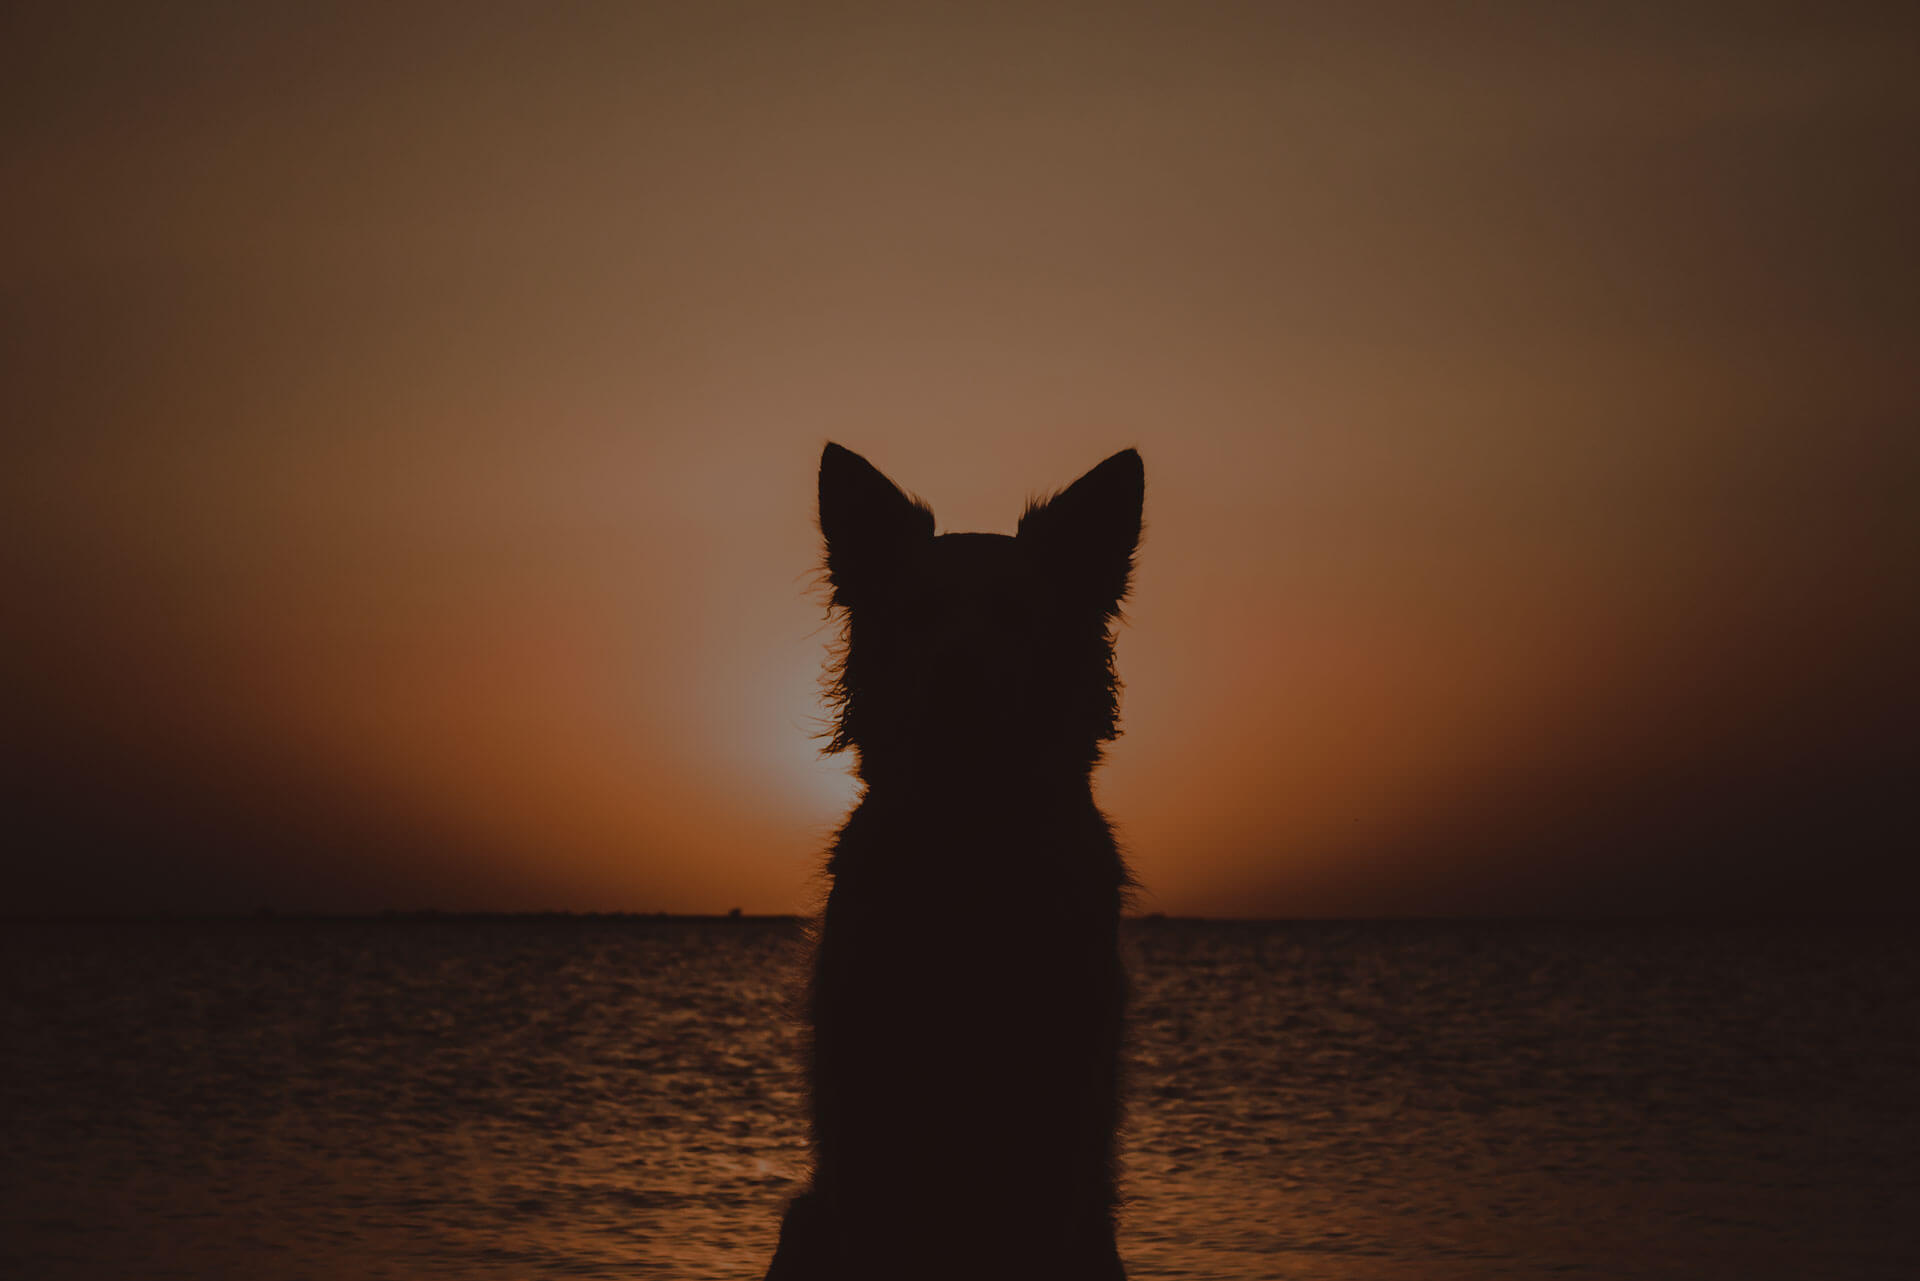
(1087, 532)
(868, 522)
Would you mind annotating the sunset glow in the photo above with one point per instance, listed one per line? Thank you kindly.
(412, 429)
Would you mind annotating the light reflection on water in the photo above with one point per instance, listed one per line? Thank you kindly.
(619, 1098)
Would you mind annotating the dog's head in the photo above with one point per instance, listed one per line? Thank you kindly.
(963, 650)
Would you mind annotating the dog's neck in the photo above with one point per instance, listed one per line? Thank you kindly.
(974, 791)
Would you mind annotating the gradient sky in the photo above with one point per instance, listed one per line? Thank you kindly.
(411, 422)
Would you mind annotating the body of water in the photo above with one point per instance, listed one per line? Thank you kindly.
(619, 1097)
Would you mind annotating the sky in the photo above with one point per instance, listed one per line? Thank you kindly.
(411, 417)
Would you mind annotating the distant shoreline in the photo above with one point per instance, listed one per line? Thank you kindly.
(427, 916)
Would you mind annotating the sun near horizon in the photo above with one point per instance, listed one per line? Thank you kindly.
(407, 496)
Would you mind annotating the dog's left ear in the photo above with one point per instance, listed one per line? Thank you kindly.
(1088, 531)
(871, 527)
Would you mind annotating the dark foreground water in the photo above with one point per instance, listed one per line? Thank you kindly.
(616, 1098)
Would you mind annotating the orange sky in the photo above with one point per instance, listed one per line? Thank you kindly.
(411, 425)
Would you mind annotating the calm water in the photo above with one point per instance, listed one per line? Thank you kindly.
(617, 1099)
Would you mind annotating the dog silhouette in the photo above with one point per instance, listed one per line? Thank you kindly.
(967, 995)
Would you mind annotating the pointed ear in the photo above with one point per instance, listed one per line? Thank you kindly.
(867, 521)
(1088, 531)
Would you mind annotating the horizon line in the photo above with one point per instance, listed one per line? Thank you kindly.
(263, 915)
